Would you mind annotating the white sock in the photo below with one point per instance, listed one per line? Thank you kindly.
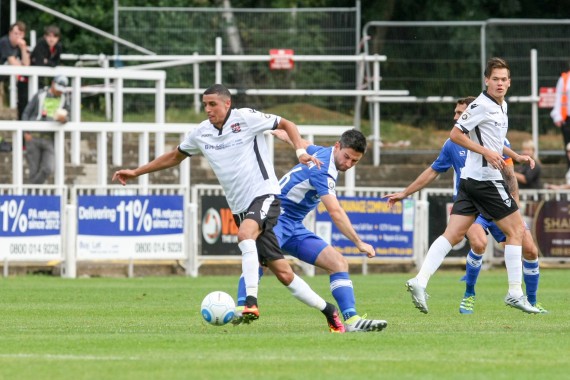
(249, 266)
(303, 292)
(513, 262)
(436, 253)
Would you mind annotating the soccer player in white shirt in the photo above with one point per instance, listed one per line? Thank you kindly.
(482, 129)
(233, 143)
(453, 155)
(303, 188)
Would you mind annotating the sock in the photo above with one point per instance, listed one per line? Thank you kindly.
(472, 268)
(241, 288)
(303, 292)
(531, 276)
(249, 266)
(343, 293)
(513, 255)
(436, 253)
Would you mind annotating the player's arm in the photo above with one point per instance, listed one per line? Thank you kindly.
(341, 221)
(520, 158)
(459, 137)
(282, 135)
(419, 183)
(167, 160)
(508, 172)
(293, 134)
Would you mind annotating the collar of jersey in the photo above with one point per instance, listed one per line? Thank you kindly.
(224, 123)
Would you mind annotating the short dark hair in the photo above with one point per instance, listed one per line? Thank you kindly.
(219, 90)
(466, 100)
(496, 63)
(20, 24)
(52, 29)
(354, 140)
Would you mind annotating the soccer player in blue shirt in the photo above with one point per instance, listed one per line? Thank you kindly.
(302, 189)
(453, 155)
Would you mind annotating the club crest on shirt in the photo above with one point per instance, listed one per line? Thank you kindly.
(331, 184)
(235, 128)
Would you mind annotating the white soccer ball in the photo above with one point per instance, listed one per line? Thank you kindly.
(218, 308)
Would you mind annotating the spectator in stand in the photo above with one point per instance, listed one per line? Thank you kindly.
(14, 51)
(47, 51)
(48, 104)
(567, 184)
(526, 177)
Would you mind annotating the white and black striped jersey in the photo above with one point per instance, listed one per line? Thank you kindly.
(487, 123)
(238, 155)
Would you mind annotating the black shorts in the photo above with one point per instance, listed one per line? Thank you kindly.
(264, 210)
(491, 199)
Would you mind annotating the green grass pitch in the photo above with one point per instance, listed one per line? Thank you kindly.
(151, 328)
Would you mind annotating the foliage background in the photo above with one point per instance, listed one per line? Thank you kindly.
(411, 64)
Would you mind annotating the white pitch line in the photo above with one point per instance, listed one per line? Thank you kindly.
(68, 357)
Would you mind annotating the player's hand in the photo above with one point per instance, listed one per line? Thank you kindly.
(306, 159)
(494, 159)
(281, 135)
(559, 123)
(524, 159)
(123, 176)
(394, 197)
(366, 248)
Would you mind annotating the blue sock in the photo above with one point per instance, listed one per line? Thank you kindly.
(343, 293)
(241, 295)
(472, 268)
(531, 275)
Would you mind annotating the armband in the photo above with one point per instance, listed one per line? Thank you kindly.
(300, 152)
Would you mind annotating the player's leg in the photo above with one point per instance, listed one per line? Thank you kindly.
(477, 237)
(513, 228)
(456, 229)
(531, 270)
(261, 215)
(341, 287)
(241, 293)
(303, 292)
(247, 235)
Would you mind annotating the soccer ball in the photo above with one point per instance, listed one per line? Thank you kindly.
(218, 308)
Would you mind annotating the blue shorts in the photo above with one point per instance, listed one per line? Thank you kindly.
(490, 227)
(296, 240)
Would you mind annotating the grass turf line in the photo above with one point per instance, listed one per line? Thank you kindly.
(151, 328)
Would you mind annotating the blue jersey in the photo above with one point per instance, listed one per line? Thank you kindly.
(454, 155)
(303, 187)
(451, 155)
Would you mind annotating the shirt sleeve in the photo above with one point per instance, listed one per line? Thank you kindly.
(189, 146)
(322, 182)
(471, 117)
(258, 121)
(311, 149)
(443, 162)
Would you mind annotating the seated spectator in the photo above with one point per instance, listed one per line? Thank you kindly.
(526, 177)
(567, 184)
(47, 51)
(49, 104)
(14, 51)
